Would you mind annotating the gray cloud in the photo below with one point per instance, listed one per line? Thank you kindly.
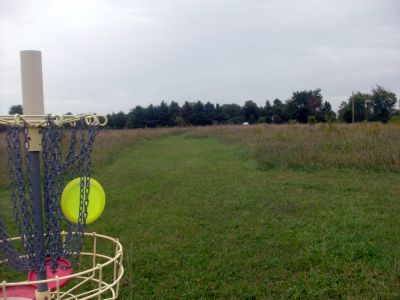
(106, 56)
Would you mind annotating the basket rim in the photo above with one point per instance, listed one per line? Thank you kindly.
(116, 259)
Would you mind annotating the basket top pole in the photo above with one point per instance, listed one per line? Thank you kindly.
(32, 82)
(32, 90)
(32, 100)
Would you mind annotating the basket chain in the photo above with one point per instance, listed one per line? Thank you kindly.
(53, 178)
(21, 207)
(55, 170)
(7, 249)
(77, 162)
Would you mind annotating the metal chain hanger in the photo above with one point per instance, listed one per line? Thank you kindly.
(56, 170)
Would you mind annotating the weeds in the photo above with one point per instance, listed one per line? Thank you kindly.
(372, 146)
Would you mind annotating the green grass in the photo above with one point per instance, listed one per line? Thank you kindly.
(199, 219)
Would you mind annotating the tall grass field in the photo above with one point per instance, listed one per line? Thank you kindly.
(250, 212)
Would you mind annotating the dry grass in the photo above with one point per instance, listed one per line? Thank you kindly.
(372, 146)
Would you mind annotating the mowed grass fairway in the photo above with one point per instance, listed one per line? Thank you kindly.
(200, 219)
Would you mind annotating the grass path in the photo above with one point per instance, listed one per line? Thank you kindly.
(199, 220)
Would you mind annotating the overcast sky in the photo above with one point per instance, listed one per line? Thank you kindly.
(104, 56)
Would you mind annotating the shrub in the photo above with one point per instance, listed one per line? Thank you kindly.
(395, 120)
(311, 120)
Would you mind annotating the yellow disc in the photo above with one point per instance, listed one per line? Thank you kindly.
(70, 200)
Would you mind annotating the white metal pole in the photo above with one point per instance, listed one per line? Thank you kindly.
(33, 104)
(32, 82)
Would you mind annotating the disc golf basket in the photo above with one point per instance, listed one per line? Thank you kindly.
(44, 152)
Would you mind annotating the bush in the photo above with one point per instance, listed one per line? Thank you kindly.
(395, 120)
(311, 120)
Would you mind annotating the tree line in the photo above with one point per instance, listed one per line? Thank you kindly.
(305, 106)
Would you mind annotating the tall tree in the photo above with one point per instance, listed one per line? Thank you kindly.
(152, 116)
(361, 112)
(175, 111)
(164, 114)
(304, 104)
(137, 118)
(209, 113)
(198, 115)
(327, 114)
(381, 104)
(279, 112)
(251, 112)
(233, 113)
(267, 112)
(118, 120)
(187, 110)
(220, 116)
